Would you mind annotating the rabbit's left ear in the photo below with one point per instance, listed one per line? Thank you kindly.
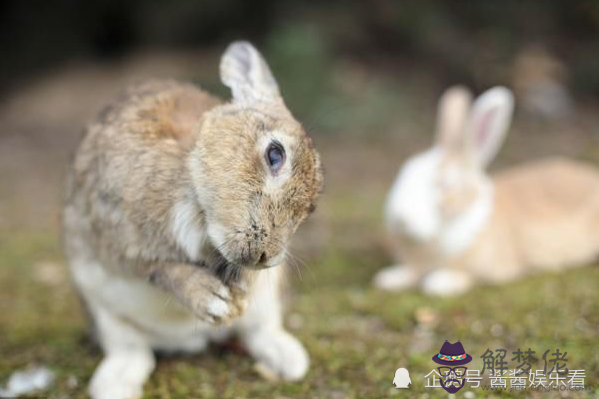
(453, 109)
(245, 72)
(488, 123)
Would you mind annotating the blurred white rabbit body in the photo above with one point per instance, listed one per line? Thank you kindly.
(455, 225)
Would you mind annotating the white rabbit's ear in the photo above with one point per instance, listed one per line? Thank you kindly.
(453, 109)
(245, 72)
(488, 123)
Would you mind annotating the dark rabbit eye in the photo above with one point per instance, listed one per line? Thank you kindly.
(275, 156)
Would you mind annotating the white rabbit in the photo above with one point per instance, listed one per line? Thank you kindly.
(455, 225)
(178, 213)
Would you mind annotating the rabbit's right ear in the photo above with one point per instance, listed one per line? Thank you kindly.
(488, 123)
(453, 109)
(245, 72)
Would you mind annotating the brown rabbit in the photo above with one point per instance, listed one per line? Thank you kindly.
(173, 194)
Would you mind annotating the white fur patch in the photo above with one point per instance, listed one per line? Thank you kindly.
(217, 307)
(461, 232)
(264, 303)
(186, 229)
(224, 292)
(216, 232)
(412, 203)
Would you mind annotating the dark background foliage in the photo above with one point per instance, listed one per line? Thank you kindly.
(464, 40)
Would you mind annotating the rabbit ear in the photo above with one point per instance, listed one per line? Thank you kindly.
(488, 123)
(453, 109)
(245, 72)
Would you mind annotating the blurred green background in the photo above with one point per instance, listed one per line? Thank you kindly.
(363, 76)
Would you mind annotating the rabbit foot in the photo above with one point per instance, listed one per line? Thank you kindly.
(121, 375)
(396, 278)
(447, 282)
(278, 354)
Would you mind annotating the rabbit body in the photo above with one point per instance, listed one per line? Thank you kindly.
(454, 225)
(177, 216)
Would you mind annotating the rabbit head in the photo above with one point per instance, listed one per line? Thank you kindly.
(255, 171)
(444, 193)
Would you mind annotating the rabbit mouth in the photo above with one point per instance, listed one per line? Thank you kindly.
(259, 266)
(262, 262)
(228, 267)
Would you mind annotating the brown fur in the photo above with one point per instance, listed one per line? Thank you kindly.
(122, 157)
(546, 216)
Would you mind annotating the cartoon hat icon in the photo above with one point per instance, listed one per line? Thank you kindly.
(452, 355)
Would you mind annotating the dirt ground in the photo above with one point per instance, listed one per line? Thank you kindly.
(356, 336)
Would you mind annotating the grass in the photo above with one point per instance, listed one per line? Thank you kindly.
(356, 336)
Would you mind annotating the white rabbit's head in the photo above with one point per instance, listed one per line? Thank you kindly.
(444, 193)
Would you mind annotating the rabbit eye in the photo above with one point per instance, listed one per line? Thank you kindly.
(275, 156)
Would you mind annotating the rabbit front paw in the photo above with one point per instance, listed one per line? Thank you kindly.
(396, 278)
(446, 282)
(201, 291)
(220, 304)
